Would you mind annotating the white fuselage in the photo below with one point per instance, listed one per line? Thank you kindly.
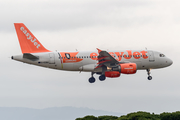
(87, 61)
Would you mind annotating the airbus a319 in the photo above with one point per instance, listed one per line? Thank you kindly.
(104, 63)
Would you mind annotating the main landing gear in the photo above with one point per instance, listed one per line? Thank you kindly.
(102, 77)
(148, 72)
(92, 79)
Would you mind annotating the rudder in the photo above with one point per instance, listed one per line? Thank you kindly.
(28, 42)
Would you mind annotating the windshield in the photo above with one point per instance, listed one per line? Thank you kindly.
(161, 55)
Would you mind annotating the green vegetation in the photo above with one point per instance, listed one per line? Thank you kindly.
(98, 118)
(137, 116)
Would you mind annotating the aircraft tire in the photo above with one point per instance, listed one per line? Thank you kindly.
(92, 79)
(149, 77)
(102, 77)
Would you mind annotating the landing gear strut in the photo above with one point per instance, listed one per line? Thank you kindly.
(102, 77)
(148, 72)
(92, 79)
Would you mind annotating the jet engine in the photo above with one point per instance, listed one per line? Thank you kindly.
(127, 68)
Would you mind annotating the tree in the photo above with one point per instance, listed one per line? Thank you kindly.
(107, 118)
(170, 116)
(89, 117)
(139, 116)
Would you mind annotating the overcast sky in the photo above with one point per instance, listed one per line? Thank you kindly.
(67, 25)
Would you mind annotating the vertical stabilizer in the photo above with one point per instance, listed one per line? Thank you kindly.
(28, 42)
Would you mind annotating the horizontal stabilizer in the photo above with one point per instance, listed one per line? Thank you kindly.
(30, 56)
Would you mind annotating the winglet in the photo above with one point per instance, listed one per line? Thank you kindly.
(28, 42)
(98, 50)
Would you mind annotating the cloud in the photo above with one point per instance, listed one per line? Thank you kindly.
(61, 15)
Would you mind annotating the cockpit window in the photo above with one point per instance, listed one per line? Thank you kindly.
(161, 55)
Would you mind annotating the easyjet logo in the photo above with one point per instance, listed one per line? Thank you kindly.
(29, 37)
(128, 55)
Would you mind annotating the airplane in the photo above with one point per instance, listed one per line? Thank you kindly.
(104, 63)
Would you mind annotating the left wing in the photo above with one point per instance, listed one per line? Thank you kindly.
(105, 59)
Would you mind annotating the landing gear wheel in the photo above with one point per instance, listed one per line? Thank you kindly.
(102, 77)
(92, 80)
(149, 77)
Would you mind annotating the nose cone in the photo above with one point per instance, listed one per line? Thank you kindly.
(169, 62)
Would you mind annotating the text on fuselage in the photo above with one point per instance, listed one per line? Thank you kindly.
(119, 55)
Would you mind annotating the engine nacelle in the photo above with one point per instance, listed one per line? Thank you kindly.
(112, 74)
(128, 68)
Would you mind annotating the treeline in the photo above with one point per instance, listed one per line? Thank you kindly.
(137, 116)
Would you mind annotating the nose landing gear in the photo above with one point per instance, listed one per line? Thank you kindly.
(148, 72)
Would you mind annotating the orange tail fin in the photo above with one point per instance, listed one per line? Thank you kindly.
(27, 41)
